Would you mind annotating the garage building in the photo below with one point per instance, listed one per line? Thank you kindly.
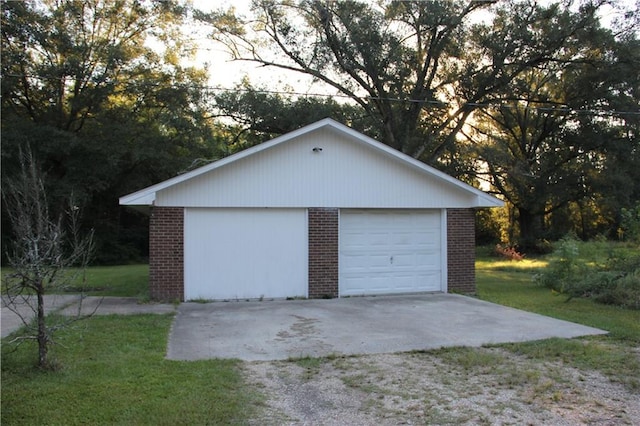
(323, 211)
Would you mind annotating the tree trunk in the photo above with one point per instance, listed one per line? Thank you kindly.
(530, 228)
(43, 340)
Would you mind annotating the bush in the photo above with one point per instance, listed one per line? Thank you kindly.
(565, 270)
(577, 273)
(625, 292)
(630, 223)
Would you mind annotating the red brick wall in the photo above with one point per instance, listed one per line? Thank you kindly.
(166, 253)
(461, 251)
(323, 252)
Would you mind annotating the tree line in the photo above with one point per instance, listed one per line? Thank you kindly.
(538, 104)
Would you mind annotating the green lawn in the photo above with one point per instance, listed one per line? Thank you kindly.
(122, 281)
(113, 371)
(510, 283)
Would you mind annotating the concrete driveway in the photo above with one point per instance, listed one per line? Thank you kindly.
(275, 330)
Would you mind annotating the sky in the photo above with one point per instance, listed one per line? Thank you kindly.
(226, 73)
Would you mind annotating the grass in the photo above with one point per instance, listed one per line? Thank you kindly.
(113, 371)
(121, 281)
(510, 283)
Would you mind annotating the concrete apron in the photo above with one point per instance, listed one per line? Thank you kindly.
(277, 330)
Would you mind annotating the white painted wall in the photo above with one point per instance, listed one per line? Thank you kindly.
(245, 253)
(347, 173)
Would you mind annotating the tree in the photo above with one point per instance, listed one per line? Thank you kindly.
(104, 113)
(42, 253)
(415, 68)
(354, 48)
(549, 146)
(531, 156)
(260, 115)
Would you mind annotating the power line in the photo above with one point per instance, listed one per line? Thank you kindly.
(551, 107)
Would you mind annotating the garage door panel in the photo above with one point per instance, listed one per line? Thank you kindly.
(355, 239)
(431, 281)
(390, 251)
(377, 239)
(400, 239)
(360, 284)
(427, 238)
(404, 260)
(406, 283)
(377, 260)
(245, 253)
(428, 259)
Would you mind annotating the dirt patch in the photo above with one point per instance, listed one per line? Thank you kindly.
(462, 386)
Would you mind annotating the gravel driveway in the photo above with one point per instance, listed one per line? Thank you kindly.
(455, 386)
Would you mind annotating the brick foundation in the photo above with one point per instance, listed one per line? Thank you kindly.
(323, 252)
(461, 254)
(166, 254)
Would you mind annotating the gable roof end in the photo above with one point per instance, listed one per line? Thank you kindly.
(147, 196)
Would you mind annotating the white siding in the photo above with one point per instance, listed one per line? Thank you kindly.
(245, 253)
(347, 173)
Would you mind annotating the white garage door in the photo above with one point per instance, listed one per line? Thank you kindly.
(245, 253)
(390, 251)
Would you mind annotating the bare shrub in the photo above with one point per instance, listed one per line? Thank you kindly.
(46, 255)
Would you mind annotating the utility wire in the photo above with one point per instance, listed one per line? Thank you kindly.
(435, 103)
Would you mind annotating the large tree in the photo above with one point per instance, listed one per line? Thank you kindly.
(406, 64)
(550, 141)
(103, 111)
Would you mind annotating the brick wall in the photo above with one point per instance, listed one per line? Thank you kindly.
(323, 252)
(166, 253)
(461, 251)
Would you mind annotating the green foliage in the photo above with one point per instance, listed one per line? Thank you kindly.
(566, 269)
(579, 270)
(114, 371)
(545, 162)
(630, 223)
(410, 59)
(488, 226)
(261, 115)
(118, 281)
(510, 284)
(121, 281)
(103, 113)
